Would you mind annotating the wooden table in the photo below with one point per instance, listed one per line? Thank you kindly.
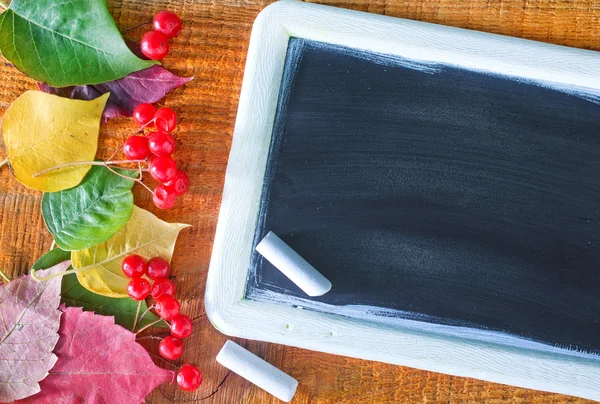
(212, 47)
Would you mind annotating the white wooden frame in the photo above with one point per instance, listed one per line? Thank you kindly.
(483, 355)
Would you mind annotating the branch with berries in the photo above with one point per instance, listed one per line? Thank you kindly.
(167, 307)
(88, 206)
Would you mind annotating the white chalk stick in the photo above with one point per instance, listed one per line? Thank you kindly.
(257, 371)
(304, 275)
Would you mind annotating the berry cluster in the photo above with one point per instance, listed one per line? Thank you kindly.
(155, 44)
(167, 307)
(158, 147)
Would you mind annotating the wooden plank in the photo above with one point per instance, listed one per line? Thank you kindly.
(212, 47)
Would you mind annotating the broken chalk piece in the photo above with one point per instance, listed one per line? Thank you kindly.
(304, 275)
(257, 371)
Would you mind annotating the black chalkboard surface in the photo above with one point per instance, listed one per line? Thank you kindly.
(444, 195)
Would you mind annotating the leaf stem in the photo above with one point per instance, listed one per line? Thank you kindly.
(150, 325)
(137, 315)
(4, 276)
(5, 161)
(53, 244)
(87, 163)
(3, 6)
(60, 274)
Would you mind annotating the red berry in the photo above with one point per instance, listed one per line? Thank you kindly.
(158, 268)
(181, 326)
(168, 23)
(134, 266)
(162, 287)
(170, 348)
(180, 183)
(143, 114)
(155, 45)
(161, 143)
(165, 119)
(189, 377)
(138, 289)
(164, 197)
(163, 168)
(136, 148)
(167, 307)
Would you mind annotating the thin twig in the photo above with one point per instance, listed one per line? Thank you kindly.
(87, 163)
(137, 314)
(136, 26)
(3, 162)
(152, 337)
(4, 276)
(76, 163)
(164, 360)
(218, 387)
(143, 127)
(146, 312)
(132, 179)
(150, 325)
(115, 153)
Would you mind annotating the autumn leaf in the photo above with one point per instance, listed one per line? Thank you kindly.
(41, 131)
(98, 362)
(74, 295)
(91, 212)
(146, 86)
(51, 258)
(144, 234)
(66, 43)
(30, 319)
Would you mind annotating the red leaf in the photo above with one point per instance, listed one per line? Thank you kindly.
(148, 85)
(98, 362)
(30, 320)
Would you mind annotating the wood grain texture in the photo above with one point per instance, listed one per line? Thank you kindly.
(212, 47)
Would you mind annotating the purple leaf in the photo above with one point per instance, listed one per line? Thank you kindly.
(29, 332)
(148, 85)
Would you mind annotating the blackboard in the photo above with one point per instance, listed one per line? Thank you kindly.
(437, 193)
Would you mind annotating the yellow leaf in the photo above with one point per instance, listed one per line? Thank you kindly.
(41, 131)
(144, 234)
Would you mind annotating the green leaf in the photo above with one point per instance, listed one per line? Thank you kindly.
(66, 43)
(51, 258)
(92, 212)
(75, 295)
